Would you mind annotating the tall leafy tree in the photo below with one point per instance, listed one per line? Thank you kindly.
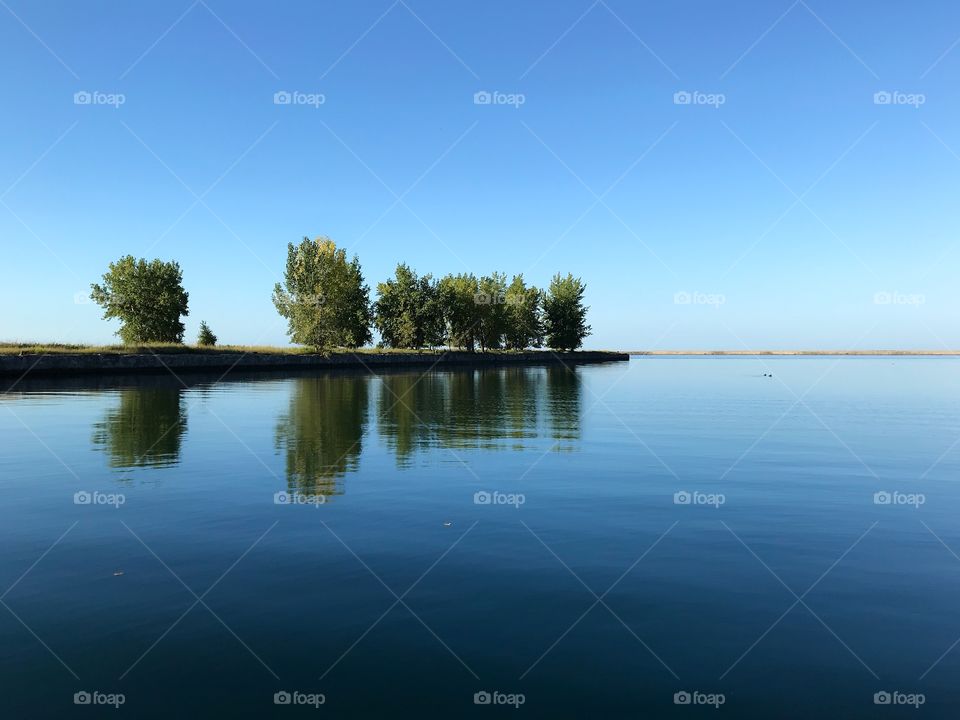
(491, 310)
(565, 316)
(461, 314)
(147, 297)
(323, 297)
(524, 325)
(408, 312)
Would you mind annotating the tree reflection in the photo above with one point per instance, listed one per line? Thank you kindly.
(564, 400)
(146, 429)
(322, 432)
(491, 408)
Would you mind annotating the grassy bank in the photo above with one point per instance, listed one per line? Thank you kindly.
(174, 348)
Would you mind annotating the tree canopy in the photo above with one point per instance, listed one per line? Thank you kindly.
(564, 314)
(408, 312)
(147, 297)
(323, 296)
(327, 305)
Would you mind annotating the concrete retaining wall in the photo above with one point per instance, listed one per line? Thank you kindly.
(65, 364)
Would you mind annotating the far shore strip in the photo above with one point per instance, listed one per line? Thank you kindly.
(877, 353)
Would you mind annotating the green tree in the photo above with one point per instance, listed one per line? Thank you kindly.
(147, 297)
(565, 314)
(524, 325)
(491, 310)
(206, 337)
(408, 312)
(461, 314)
(323, 297)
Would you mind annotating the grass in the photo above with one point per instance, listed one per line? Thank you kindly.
(62, 349)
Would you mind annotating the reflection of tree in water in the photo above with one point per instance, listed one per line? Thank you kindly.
(563, 405)
(487, 408)
(410, 408)
(321, 433)
(145, 429)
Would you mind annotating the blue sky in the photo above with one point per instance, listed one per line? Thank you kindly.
(797, 213)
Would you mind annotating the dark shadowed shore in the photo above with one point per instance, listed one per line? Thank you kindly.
(65, 364)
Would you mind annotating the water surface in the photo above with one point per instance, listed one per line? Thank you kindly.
(596, 540)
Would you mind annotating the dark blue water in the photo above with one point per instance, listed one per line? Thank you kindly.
(643, 529)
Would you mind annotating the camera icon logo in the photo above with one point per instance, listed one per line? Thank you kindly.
(882, 98)
(82, 498)
(281, 497)
(482, 98)
(482, 698)
(82, 98)
(681, 498)
(282, 97)
(682, 97)
(882, 498)
(882, 698)
(482, 497)
(282, 698)
(682, 698)
(681, 298)
(82, 698)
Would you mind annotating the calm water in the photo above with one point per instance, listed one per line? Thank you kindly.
(578, 578)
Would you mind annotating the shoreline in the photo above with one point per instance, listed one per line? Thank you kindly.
(797, 353)
(67, 364)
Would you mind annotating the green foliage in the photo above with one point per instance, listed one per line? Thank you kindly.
(565, 314)
(147, 297)
(205, 337)
(458, 297)
(491, 310)
(524, 325)
(408, 312)
(324, 299)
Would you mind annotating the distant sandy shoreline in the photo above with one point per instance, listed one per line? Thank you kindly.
(875, 353)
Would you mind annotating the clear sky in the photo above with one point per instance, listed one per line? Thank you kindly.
(784, 206)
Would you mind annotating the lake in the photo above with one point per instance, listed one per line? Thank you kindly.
(668, 537)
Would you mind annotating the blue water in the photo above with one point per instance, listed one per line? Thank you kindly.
(783, 588)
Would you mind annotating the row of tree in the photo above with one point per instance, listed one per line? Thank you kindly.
(327, 304)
